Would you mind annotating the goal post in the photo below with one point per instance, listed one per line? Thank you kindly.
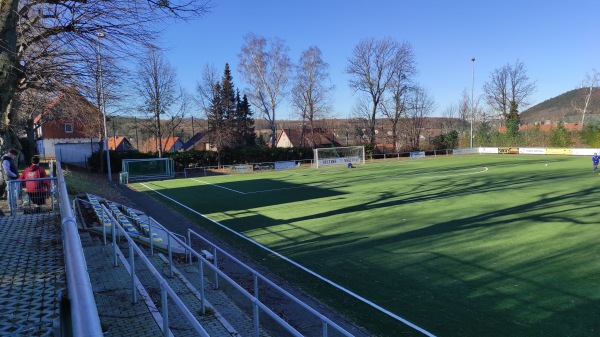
(330, 156)
(148, 169)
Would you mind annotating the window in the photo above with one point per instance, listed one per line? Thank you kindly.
(69, 127)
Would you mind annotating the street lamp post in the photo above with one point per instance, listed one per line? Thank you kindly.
(472, 102)
(103, 106)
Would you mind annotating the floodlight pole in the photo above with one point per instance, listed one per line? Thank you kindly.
(103, 106)
(472, 90)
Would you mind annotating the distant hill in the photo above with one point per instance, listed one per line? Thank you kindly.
(560, 108)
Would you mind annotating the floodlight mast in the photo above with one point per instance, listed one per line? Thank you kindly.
(472, 90)
(101, 34)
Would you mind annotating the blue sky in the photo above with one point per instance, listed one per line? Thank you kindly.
(558, 41)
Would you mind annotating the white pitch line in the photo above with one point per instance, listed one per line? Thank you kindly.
(219, 186)
(277, 189)
(339, 287)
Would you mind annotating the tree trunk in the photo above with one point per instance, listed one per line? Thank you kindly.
(9, 67)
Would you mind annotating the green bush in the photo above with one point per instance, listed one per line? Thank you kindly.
(560, 136)
(591, 135)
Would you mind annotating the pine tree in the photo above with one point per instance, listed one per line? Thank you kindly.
(228, 101)
(230, 119)
(513, 120)
(246, 121)
(216, 119)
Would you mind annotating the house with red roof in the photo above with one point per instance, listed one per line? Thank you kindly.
(296, 139)
(169, 144)
(119, 144)
(69, 119)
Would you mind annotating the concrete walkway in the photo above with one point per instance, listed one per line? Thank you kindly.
(32, 279)
(32, 274)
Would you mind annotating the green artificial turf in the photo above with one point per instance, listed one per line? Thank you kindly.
(490, 245)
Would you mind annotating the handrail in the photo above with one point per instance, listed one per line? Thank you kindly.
(85, 320)
(164, 285)
(317, 314)
(255, 301)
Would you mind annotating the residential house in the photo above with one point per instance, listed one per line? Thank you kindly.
(294, 138)
(119, 144)
(200, 141)
(69, 119)
(169, 144)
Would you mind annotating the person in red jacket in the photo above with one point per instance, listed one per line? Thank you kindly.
(37, 189)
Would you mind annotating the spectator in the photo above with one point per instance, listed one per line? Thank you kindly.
(9, 170)
(37, 189)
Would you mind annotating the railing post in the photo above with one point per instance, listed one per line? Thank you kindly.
(114, 242)
(255, 306)
(190, 252)
(132, 266)
(150, 236)
(202, 300)
(215, 263)
(170, 255)
(103, 229)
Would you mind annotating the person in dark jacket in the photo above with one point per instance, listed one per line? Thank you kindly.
(9, 168)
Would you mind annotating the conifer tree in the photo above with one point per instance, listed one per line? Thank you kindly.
(216, 119)
(230, 119)
(228, 101)
(246, 121)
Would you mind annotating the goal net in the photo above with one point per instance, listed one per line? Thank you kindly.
(339, 156)
(148, 169)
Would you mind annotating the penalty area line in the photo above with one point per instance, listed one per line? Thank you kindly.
(219, 186)
(339, 287)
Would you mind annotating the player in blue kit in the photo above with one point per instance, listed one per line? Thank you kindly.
(595, 160)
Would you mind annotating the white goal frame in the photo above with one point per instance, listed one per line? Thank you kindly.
(329, 156)
(155, 168)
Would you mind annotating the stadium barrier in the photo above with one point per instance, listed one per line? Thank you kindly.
(167, 293)
(419, 154)
(81, 300)
(253, 297)
(400, 155)
(527, 150)
(22, 202)
(201, 171)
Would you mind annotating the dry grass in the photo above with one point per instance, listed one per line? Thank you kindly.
(79, 182)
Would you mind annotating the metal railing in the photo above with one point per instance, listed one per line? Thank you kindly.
(20, 201)
(256, 276)
(165, 289)
(84, 312)
(253, 298)
(199, 171)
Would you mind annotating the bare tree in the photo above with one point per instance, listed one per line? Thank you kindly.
(361, 119)
(420, 105)
(52, 43)
(311, 94)
(450, 118)
(395, 106)
(464, 107)
(375, 65)
(589, 85)
(266, 71)
(156, 85)
(509, 84)
(205, 88)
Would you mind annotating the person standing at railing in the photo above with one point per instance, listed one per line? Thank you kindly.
(37, 189)
(9, 170)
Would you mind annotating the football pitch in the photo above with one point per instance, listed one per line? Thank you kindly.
(482, 245)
